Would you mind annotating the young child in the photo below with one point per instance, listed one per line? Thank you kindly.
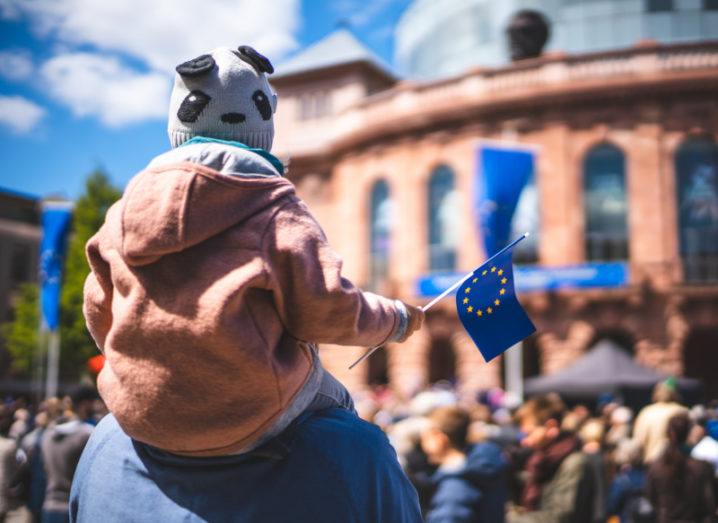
(211, 281)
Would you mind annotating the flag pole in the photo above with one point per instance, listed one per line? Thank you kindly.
(444, 294)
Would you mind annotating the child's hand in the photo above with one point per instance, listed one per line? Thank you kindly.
(416, 319)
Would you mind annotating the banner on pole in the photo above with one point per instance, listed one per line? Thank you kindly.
(56, 220)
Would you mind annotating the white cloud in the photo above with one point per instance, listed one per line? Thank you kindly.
(164, 33)
(96, 85)
(20, 114)
(16, 64)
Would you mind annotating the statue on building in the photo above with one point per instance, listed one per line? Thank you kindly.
(527, 32)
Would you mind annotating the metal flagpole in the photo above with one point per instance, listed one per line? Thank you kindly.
(53, 363)
(514, 371)
(444, 294)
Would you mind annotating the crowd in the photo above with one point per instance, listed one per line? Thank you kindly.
(485, 459)
(489, 459)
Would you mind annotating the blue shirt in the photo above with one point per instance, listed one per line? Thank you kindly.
(329, 466)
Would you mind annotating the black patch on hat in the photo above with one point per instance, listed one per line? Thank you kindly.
(193, 104)
(260, 62)
(196, 66)
(233, 118)
(262, 103)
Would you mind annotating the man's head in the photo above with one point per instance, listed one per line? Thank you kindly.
(445, 433)
(666, 392)
(540, 420)
(226, 95)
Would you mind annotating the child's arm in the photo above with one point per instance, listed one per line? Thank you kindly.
(314, 301)
(97, 305)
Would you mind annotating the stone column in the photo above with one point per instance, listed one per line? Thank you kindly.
(473, 373)
(407, 363)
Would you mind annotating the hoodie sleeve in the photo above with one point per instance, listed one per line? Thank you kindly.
(97, 305)
(314, 301)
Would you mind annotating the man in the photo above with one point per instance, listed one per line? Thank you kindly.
(470, 483)
(557, 487)
(328, 466)
(652, 422)
(61, 447)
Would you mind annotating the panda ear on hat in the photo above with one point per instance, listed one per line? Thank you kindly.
(257, 60)
(197, 66)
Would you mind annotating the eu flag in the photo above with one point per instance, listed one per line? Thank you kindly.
(489, 309)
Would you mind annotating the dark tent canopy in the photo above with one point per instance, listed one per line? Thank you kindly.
(606, 368)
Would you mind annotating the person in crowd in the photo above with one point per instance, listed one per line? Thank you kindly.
(557, 477)
(680, 488)
(61, 447)
(470, 483)
(649, 430)
(211, 284)
(11, 504)
(591, 434)
(627, 492)
(620, 420)
(707, 448)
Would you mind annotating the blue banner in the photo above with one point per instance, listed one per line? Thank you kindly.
(56, 219)
(503, 173)
(535, 278)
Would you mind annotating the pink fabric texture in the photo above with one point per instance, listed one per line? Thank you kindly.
(205, 294)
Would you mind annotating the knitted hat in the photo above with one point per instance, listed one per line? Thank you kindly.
(225, 95)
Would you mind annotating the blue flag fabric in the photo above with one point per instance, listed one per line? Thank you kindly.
(56, 218)
(504, 173)
(489, 310)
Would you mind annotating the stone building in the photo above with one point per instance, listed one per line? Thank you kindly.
(20, 235)
(626, 153)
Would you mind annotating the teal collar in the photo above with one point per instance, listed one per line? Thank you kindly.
(261, 152)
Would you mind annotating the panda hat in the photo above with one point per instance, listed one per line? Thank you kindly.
(225, 95)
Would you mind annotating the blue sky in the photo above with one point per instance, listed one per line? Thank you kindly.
(85, 83)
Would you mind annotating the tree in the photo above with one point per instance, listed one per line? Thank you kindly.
(76, 344)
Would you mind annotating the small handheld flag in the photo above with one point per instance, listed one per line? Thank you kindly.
(495, 338)
(488, 308)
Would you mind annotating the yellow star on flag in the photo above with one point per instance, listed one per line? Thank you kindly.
(503, 281)
(501, 271)
(479, 313)
(502, 292)
(470, 309)
(466, 300)
(493, 269)
(497, 302)
(489, 310)
(474, 280)
(467, 290)
(484, 273)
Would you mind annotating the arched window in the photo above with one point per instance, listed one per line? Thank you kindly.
(697, 185)
(380, 242)
(606, 207)
(443, 220)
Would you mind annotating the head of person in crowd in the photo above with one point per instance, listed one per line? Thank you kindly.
(539, 419)
(628, 455)
(591, 435)
(83, 402)
(444, 437)
(666, 392)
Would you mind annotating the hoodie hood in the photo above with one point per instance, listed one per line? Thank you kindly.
(191, 194)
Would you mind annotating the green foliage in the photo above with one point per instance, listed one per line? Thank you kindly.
(88, 216)
(21, 336)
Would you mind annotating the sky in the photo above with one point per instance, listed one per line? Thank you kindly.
(85, 84)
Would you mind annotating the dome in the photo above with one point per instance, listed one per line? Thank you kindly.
(435, 39)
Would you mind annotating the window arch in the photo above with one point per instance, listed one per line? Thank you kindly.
(380, 226)
(697, 194)
(443, 220)
(605, 203)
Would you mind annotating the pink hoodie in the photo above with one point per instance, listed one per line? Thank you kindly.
(205, 293)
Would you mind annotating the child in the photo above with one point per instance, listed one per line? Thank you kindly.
(211, 281)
